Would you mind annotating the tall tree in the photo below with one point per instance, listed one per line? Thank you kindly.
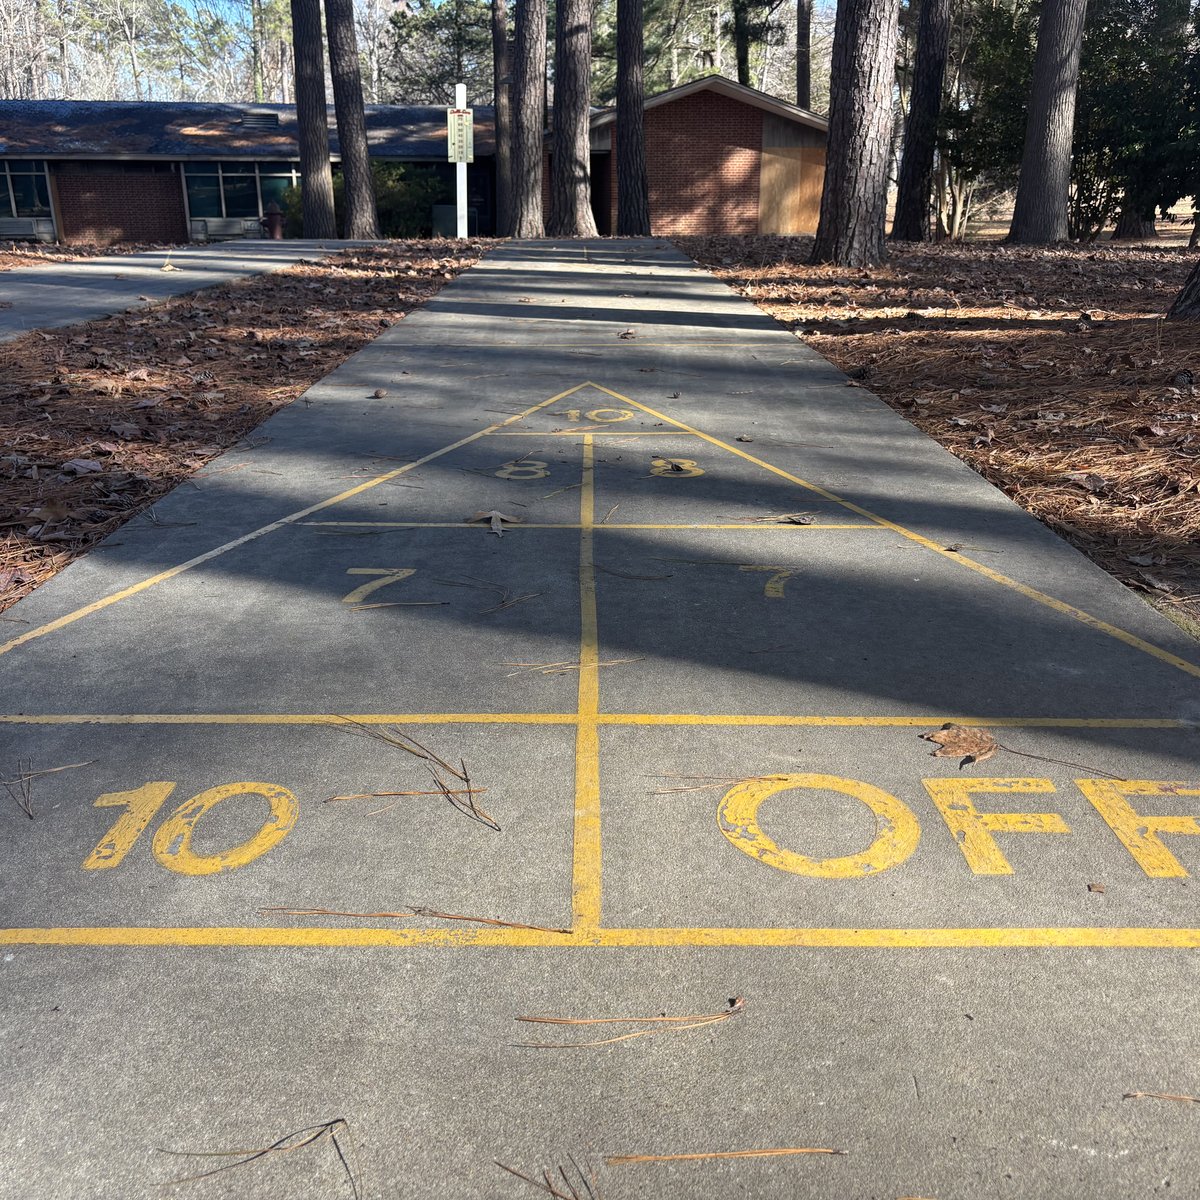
(529, 107)
(570, 167)
(502, 102)
(913, 212)
(436, 44)
(1186, 306)
(854, 198)
(1040, 212)
(804, 12)
(312, 120)
(361, 220)
(633, 187)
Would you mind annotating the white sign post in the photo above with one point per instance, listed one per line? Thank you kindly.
(460, 149)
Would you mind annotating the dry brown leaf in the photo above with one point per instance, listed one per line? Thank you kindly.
(953, 741)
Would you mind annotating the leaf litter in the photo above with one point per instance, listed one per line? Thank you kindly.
(462, 799)
(298, 1139)
(1098, 431)
(977, 745)
(153, 395)
(657, 1025)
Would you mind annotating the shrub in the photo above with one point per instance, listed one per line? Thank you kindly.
(405, 194)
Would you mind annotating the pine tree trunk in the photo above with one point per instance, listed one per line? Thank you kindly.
(1133, 225)
(361, 219)
(1186, 306)
(312, 120)
(529, 105)
(804, 53)
(1040, 213)
(633, 188)
(741, 40)
(912, 219)
(862, 72)
(502, 98)
(570, 171)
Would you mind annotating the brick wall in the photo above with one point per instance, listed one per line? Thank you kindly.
(702, 160)
(137, 207)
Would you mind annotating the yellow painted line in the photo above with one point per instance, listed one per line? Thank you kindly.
(585, 870)
(1060, 937)
(578, 433)
(290, 519)
(715, 719)
(884, 722)
(287, 718)
(1059, 606)
(479, 526)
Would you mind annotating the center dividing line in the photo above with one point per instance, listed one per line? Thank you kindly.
(585, 874)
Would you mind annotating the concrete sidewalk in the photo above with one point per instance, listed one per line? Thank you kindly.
(64, 293)
(639, 740)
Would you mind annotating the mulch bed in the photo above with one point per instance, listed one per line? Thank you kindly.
(1050, 371)
(38, 254)
(100, 420)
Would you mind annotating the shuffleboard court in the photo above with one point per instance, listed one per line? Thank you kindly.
(566, 652)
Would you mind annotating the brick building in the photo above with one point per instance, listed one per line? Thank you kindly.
(111, 171)
(721, 158)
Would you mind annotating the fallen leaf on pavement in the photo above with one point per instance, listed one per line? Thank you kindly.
(496, 520)
(974, 745)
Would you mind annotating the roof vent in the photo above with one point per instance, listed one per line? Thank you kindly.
(260, 120)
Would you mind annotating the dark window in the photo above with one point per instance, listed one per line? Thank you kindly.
(204, 195)
(273, 187)
(241, 195)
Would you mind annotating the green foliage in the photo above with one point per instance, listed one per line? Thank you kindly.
(436, 44)
(1130, 112)
(405, 194)
(983, 117)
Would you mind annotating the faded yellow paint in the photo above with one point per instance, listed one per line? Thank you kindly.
(524, 468)
(678, 468)
(527, 525)
(586, 866)
(386, 575)
(1054, 937)
(142, 803)
(1059, 606)
(897, 837)
(773, 588)
(973, 829)
(1141, 833)
(569, 718)
(173, 839)
(291, 519)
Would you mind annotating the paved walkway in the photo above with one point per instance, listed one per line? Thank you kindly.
(64, 293)
(669, 710)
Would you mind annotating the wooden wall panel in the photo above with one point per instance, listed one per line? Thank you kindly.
(790, 188)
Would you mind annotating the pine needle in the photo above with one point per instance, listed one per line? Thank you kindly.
(622, 1159)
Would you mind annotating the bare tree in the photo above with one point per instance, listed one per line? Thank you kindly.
(502, 101)
(854, 198)
(570, 168)
(529, 104)
(1040, 212)
(913, 198)
(361, 219)
(804, 10)
(633, 188)
(312, 120)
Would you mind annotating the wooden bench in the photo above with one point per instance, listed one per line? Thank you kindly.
(215, 229)
(34, 229)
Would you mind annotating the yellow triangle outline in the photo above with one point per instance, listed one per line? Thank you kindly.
(1030, 593)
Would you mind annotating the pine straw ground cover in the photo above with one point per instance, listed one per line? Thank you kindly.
(38, 254)
(99, 420)
(1050, 371)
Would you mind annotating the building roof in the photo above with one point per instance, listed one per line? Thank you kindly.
(113, 129)
(725, 87)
